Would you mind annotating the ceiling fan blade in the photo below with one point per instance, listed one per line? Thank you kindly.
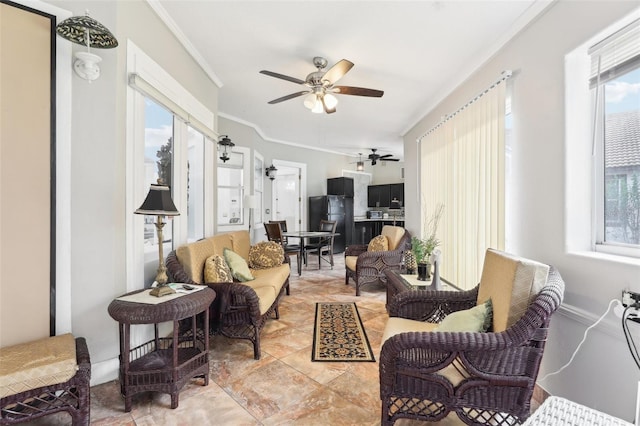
(389, 159)
(282, 76)
(327, 109)
(386, 156)
(336, 72)
(358, 91)
(291, 96)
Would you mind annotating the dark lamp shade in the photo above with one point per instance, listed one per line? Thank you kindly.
(395, 205)
(75, 30)
(158, 202)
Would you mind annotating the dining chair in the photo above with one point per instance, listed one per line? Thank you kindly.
(274, 233)
(322, 244)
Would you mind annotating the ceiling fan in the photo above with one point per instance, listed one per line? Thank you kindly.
(321, 86)
(374, 157)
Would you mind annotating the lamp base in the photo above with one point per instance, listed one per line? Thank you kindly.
(161, 290)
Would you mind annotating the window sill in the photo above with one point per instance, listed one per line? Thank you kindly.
(617, 258)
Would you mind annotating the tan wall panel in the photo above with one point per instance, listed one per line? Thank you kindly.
(25, 175)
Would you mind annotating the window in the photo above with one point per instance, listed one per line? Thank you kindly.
(615, 87)
(232, 178)
(195, 184)
(169, 136)
(158, 167)
(258, 188)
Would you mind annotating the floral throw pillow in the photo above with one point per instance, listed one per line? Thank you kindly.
(265, 254)
(379, 243)
(216, 270)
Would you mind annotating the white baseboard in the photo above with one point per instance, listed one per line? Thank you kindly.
(104, 371)
(610, 325)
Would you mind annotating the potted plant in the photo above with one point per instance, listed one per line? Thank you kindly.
(423, 247)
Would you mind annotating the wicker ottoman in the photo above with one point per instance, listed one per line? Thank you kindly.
(45, 377)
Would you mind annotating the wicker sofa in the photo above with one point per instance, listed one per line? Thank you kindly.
(240, 309)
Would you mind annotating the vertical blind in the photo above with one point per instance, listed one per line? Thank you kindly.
(462, 166)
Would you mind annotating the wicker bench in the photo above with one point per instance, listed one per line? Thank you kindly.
(45, 377)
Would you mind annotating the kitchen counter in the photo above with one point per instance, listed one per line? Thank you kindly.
(366, 229)
(389, 219)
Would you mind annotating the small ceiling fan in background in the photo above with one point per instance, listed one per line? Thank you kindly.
(321, 86)
(374, 157)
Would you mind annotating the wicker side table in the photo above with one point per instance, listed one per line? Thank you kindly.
(162, 364)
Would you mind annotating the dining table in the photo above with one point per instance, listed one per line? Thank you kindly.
(306, 235)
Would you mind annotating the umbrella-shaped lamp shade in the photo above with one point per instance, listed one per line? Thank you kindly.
(86, 31)
(158, 202)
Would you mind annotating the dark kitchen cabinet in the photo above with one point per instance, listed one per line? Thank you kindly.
(340, 186)
(378, 196)
(363, 232)
(396, 191)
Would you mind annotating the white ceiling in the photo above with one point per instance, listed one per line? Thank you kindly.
(415, 51)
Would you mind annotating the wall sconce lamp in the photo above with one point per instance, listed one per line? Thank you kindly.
(159, 203)
(226, 144)
(270, 172)
(88, 32)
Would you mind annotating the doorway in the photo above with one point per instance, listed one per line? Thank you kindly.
(288, 193)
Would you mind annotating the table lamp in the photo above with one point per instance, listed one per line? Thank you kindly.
(159, 203)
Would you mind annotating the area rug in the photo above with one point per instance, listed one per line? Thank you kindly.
(338, 334)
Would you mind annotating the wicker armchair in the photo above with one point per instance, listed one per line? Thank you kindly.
(369, 266)
(485, 378)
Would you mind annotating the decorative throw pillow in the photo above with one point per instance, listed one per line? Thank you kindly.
(476, 319)
(266, 254)
(216, 270)
(379, 243)
(237, 264)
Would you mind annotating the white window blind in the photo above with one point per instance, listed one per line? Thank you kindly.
(463, 167)
(616, 55)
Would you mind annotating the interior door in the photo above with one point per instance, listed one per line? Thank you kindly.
(286, 192)
(27, 175)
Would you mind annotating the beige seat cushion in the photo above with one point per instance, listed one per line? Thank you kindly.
(44, 362)
(192, 257)
(266, 297)
(241, 243)
(273, 277)
(350, 262)
(221, 242)
(511, 282)
(394, 234)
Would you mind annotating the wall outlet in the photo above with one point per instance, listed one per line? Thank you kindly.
(629, 298)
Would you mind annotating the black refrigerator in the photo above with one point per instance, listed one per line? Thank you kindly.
(333, 207)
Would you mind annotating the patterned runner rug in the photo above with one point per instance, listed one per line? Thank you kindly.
(338, 334)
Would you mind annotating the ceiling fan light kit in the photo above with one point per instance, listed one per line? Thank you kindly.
(320, 94)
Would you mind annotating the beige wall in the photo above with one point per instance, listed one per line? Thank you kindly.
(25, 175)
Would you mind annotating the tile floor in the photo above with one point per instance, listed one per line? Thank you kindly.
(282, 388)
